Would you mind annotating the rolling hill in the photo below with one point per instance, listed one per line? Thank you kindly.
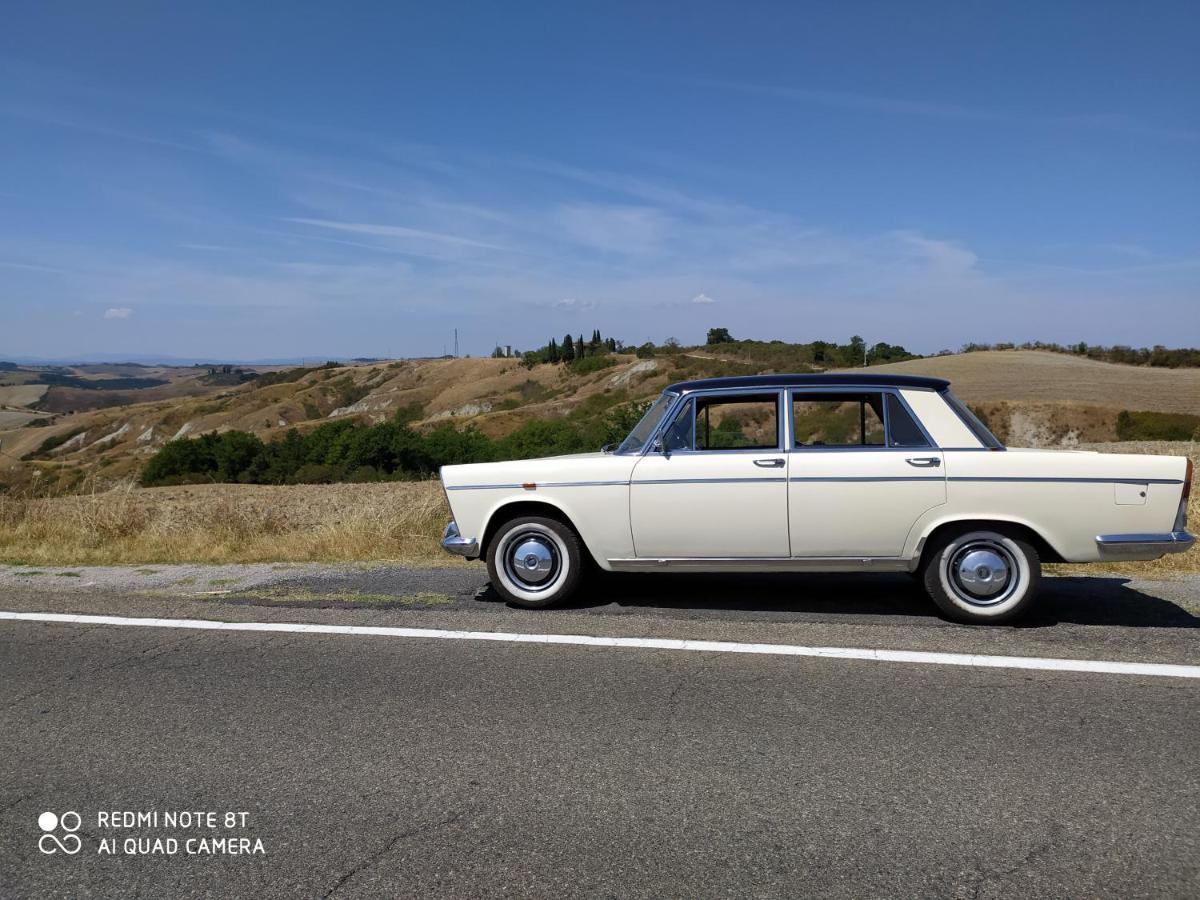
(1028, 397)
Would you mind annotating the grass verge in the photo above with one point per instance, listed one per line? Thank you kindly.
(228, 523)
(384, 522)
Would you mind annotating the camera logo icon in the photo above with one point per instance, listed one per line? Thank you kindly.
(50, 842)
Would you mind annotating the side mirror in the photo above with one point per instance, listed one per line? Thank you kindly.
(660, 447)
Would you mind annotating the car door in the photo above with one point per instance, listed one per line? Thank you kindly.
(861, 472)
(716, 486)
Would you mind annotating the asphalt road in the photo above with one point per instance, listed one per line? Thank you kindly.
(383, 766)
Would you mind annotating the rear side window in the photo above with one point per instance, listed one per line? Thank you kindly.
(830, 419)
(903, 430)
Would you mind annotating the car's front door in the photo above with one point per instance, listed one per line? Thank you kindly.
(861, 472)
(717, 487)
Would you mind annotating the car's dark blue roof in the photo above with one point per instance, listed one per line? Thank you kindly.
(855, 379)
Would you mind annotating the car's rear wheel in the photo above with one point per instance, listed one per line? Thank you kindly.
(535, 562)
(982, 576)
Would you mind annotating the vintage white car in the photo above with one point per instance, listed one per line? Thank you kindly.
(816, 473)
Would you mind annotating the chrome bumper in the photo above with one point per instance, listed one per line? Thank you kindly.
(454, 542)
(1143, 546)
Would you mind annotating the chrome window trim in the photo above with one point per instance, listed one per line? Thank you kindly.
(972, 422)
(786, 442)
(641, 451)
(858, 448)
(686, 397)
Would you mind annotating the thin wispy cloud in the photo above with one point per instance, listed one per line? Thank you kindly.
(930, 109)
(118, 312)
(855, 101)
(394, 231)
(31, 267)
(60, 119)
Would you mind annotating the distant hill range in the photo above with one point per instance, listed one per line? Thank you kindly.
(62, 423)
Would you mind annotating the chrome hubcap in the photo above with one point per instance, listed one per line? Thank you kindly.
(532, 560)
(983, 573)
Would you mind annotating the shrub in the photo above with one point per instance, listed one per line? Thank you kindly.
(589, 364)
(53, 442)
(1157, 426)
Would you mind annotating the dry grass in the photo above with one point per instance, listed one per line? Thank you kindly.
(223, 523)
(1034, 376)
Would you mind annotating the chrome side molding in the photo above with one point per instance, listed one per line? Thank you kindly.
(1143, 546)
(767, 564)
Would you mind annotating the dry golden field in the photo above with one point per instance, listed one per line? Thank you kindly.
(219, 523)
(1044, 377)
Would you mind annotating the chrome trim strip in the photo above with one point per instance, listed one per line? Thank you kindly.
(775, 479)
(482, 487)
(985, 479)
(867, 478)
(1143, 546)
(454, 542)
(765, 563)
(1064, 480)
(540, 484)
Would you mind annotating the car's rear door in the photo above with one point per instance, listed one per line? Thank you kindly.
(861, 472)
(718, 487)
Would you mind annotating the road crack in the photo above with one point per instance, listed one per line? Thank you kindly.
(386, 849)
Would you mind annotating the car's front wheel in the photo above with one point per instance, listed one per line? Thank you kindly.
(982, 576)
(534, 561)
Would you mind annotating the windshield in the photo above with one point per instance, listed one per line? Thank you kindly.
(647, 425)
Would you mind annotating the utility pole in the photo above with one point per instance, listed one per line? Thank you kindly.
(456, 343)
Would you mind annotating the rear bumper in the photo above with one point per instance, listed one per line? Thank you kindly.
(1143, 546)
(454, 542)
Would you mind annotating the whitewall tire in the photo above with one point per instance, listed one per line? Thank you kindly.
(535, 562)
(982, 576)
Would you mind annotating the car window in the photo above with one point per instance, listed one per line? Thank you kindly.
(903, 430)
(646, 426)
(852, 419)
(749, 422)
(679, 433)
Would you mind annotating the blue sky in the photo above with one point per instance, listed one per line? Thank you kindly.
(265, 180)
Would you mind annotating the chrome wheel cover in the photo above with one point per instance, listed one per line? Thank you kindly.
(983, 572)
(531, 559)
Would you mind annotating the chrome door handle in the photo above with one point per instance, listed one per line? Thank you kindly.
(769, 463)
(924, 462)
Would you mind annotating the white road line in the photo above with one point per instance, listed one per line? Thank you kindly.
(1106, 667)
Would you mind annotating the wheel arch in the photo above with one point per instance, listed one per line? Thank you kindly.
(1004, 524)
(509, 510)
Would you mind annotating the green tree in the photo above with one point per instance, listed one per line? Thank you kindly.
(858, 350)
(568, 348)
(719, 336)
